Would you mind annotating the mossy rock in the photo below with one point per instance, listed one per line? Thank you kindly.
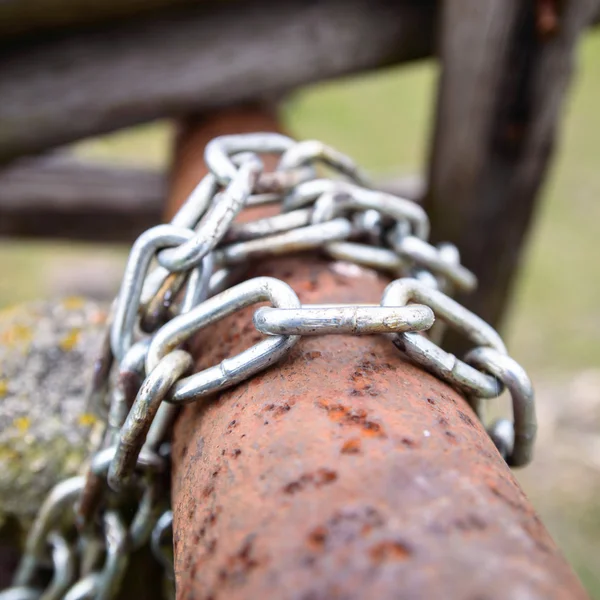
(47, 353)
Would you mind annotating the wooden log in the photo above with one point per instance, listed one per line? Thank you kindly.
(505, 75)
(60, 89)
(62, 197)
(32, 17)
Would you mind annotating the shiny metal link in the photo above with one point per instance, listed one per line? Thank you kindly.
(342, 320)
(146, 461)
(449, 254)
(243, 232)
(218, 152)
(198, 287)
(129, 379)
(117, 556)
(149, 511)
(59, 502)
(509, 372)
(143, 251)
(357, 198)
(163, 529)
(446, 366)
(380, 259)
(297, 240)
(156, 312)
(309, 151)
(232, 370)
(403, 291)
(186, 275)
(430, 356)
(63, 560)
(427, 256)
(20, 593)
(502, 433)
(133, 433)
(86, 588)
(275, 184)
(214, 223)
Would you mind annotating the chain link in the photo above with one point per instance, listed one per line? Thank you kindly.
(183, 276)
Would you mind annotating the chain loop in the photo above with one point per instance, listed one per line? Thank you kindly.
(342, 320)
(189, 274)
(513, 376)
(135, 429)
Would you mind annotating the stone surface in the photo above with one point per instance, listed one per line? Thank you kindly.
(47, 352)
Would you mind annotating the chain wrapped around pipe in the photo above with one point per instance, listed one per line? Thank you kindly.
(183, 276)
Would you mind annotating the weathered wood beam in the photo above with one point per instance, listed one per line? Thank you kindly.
(61, 197)
(67, 198)
(57, 90)
(504, 79)
(32, 17)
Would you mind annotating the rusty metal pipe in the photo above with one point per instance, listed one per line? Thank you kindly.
(344, 472)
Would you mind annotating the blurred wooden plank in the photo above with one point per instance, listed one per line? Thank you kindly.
(61, 197)
(59, 90)
(499, 104)
(32, 17)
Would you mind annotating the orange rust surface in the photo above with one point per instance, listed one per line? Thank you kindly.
(345, 472)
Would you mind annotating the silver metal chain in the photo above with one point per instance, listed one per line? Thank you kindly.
(185, 275)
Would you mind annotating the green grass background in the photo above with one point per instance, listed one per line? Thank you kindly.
(383, 120)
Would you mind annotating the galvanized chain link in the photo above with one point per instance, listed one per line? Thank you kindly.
(183, 276)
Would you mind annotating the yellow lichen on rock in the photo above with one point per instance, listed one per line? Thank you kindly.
(47, 356)
(73, 303)
(87, 420)
(22, 424)
(70, 340)
(18, 336)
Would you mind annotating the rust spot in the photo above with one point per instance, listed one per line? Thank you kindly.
(278, 409)
(320, 478)
(471, 523)
(408, 442)
(451, 437)
(213, 516)
(325, 476)
(388, 551)
(312, 355)
(373, 429)
(240, 564)
(296, 486)
(336, 412)
(352, 416)
(211, 547)
(351, 446)
(236, 452)
(465, 418)
(317, 538)
(208, 491)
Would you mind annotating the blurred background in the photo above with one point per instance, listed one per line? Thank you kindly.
(383, 120)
